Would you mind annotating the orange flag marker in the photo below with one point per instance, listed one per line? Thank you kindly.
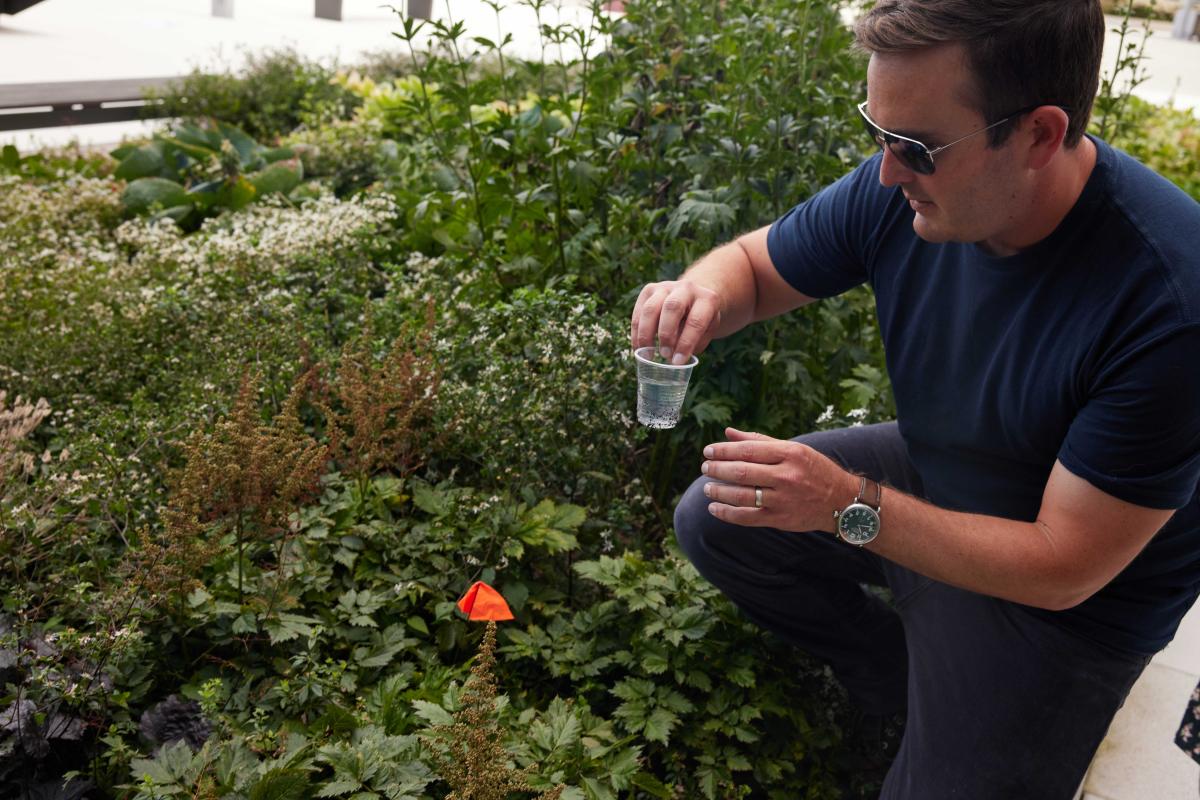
(482, 602)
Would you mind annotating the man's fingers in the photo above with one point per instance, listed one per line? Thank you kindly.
(676, 307)
(737, 515)
(755, 451)
(740, 436)
(735, 495)
(684, 318)
(742, 473)
(646, 314)
(698, 328)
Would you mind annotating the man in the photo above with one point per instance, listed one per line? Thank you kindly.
(1034, 508)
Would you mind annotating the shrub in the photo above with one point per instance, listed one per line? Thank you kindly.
(1165, 139)
(271, 95)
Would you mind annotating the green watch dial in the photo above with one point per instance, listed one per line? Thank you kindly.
(858, 524)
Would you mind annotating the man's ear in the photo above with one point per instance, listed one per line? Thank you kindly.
(1045, 128)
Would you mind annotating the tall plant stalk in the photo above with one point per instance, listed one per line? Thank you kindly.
(1113, 101)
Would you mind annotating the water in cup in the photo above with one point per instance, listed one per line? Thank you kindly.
(661, 388)
(659, 402)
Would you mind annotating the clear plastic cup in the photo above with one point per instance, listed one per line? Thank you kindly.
(661, 388)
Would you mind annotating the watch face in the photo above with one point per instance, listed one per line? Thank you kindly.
(858, 524)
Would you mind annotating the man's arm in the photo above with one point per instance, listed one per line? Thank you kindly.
(1081, 539)
(723, 292)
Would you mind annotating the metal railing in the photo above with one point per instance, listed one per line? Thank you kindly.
(50, 105)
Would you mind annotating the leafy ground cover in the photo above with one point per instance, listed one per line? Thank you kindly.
(248, 462)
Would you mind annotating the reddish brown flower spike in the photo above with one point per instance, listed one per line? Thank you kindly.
(482, 602)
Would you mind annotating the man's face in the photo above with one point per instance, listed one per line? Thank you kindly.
(975, 193)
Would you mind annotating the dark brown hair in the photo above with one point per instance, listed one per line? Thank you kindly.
(1022, 53)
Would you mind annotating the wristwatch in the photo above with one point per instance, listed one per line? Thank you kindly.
(858, 523)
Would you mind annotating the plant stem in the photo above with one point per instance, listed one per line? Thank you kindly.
(238, 532)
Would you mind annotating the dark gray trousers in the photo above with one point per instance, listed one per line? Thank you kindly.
(1000, 704)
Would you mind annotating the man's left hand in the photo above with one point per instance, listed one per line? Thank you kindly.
(800, 487)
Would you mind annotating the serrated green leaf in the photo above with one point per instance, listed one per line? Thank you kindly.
(651, 785)
(280, 784)
(655, 661)
(595, 790)
(432, 713)
(285, 627)
(430, 500)
(338, 787)
(659, 725)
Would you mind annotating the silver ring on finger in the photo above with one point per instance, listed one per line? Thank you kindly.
(758, 497)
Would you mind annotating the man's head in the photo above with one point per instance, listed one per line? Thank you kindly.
(1021, 53)
(942, 70)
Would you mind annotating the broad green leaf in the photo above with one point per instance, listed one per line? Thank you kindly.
(144, 194)
(281, 177)
(119, 153)
(199, 152)
(195, 136)
(237, 193)
(247, 149)
(141, 163)
(177, 213)
(274, 154)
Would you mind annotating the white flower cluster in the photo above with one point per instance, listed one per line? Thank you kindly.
(270, 236)
(49, 232)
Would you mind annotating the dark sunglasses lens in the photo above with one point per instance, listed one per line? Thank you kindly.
(913, 155)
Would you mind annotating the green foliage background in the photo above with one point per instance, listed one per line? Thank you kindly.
(493, 218)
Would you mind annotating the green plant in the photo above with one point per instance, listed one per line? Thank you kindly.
(1165, 139)
(715, 707)
(384, 412)
(1112, 118)
(245, 477)
(197, 170)
(468, 751)
(273, 93)
(347, 156)
(52, 164)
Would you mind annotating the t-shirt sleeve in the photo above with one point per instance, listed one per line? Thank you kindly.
(822, 246)
(1138, 436)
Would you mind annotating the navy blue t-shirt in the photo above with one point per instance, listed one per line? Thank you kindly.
(1083, 348)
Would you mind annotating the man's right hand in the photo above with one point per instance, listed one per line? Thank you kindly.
(683, 315)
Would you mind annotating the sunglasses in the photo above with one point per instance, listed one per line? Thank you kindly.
(916, 155)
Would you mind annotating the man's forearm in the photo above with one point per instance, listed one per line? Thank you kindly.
(1003, 558)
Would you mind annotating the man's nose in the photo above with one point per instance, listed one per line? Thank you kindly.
(892, 171)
